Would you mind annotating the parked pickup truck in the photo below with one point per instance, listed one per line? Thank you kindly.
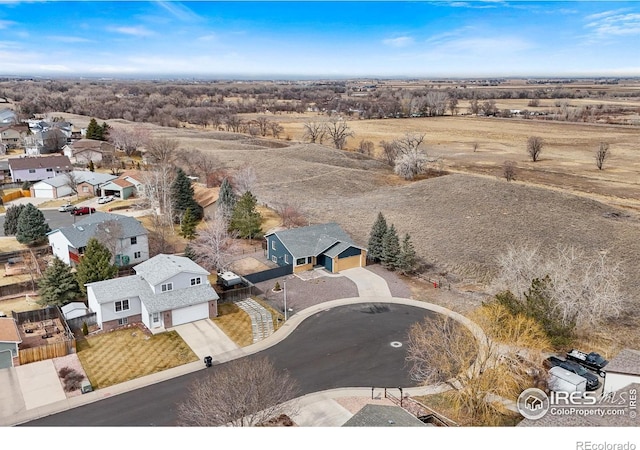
(592, 361)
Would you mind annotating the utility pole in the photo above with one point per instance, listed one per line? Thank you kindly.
(284, 285)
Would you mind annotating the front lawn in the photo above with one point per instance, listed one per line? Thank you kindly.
(122, 355)
(235, 323)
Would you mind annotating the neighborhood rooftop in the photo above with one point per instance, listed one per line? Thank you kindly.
(40, 162)
(315, 239)
(79, 233)
(625, 362)
(162, 267)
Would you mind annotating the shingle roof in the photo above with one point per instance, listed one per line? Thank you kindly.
(79, 233)
(92, 178)
(383, 416)
(9, 330)
(315, 239)
(627, 362)
(135, 286)
(41, 162)
(162, 267)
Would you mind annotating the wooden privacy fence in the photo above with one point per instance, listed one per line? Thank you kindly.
(76, 322)
(56, 350)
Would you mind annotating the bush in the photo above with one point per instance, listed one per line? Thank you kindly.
(65, 371)
(26, 185)
(277, 286)
(85, 328)
(71, 378)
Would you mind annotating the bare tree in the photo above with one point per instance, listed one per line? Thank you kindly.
(389, 151)
(276, 129)
(291, 215)
(314, 132)
(475, 146)
(338, 131)
(494, 360)
(534, 147)
(409, 143)
(129, 140)
(411, 160)
(583, 288)
(242, 393)
(263, 125)
(162, 151)
(509, 170)
(160, 234)
(602, 154)
(110, 233)
(214, 245)
(366, 148)
(244, 180)
(453, 105)
(72, 180)
(233, 123)
(436, 103)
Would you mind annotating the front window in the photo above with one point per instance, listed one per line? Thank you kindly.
(32, 170)
(49, 170)
(134, 240)
(85, 188)
(156, 317)
(195, 281)
(273, 245)
(123, 321)
(167, 287)
(122, 305)
(286, 259)
(301, 261)
(136, 255)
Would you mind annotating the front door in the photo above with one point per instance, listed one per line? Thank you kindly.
(168, 321)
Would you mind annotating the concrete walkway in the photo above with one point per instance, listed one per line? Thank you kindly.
(261, 319)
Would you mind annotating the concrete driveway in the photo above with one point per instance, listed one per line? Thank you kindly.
(205, 338)
(369, 284)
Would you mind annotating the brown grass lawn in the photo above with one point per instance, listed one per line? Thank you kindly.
(19, 304)
(10, 244)
(122, 355)
(235, 323)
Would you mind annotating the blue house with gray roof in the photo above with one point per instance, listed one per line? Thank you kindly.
(326, 245)
(166, 291)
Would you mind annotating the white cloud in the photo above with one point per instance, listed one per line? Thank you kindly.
(613, 23)
(69, 39)
(208, 37)
(132, 31)
(179, 11)
(54, 68)
(402, 41)
(6, 24)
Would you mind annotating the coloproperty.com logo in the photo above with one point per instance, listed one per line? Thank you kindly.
(534, 404)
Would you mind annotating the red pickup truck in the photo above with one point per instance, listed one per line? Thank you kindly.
(82, 210)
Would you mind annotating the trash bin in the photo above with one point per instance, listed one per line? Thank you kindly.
(86, 387)
(208, 361)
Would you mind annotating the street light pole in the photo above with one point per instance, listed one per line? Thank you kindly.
(284, 284)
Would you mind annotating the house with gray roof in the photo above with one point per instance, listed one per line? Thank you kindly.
(384, 416)
(166, 291)
(326, 245)
(125, 236)
(8, 116)
(622, 370)
(87, 184)
(38, 168)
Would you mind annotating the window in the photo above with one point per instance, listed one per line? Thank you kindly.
(167, 287)
(156, 317)
(195, 281)
(123, 321)
(122, 305)
(134, 240)
(32, 170)
(273, 245)
(85, 188)
(274, 258)
(49, 170)
(136, 255)
(286, 258)
(309, 259)
(301, 261)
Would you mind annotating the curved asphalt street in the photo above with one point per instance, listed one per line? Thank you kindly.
(345, 346)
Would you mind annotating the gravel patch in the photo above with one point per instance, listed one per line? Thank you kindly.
(72, 362)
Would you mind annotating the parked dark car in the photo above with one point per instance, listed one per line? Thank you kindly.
(552, 361)
(82, 210)
(592, 380)
(592, 361)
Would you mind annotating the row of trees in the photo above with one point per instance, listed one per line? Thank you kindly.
(27, 223)
(385, 247)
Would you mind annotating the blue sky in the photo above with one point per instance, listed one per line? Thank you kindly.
(320, 39)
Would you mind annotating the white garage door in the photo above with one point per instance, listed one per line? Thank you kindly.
(190, 314)
(43, 192)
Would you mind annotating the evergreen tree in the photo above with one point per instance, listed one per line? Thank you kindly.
(32, 227)
(188, 226)
(104, 131)
(245, 219)
(375, 238)
(390, 249)
(94, 131)
(11, 219)
(190, 253)
(183, 198)
(92, 167)
(407, 260)
(95, 265)
(58, 285)
(226, 199)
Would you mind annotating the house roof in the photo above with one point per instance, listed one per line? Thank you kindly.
(162, 267)
(136, 286)
(314, 240)
(383, 416)
(58, 181)
(82, 145)
(92, 178)
(120, 183)
(205, 196)
(133, 174)
(9, 330)
(626, 362)
(66, 309)
(80, 232)
(41, 162)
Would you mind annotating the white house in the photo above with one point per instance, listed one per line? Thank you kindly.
(127, 238)
(38, 168)
(166, 291)
(86, 150)
(622, 370)
(87, 184)
(55, 187)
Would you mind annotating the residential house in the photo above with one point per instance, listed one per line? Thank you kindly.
(74, 310)
(5, 172)
(166, 291)
(86, 183)
(8, 117)
(325, 245)
(207, 198)
(38, 168)
(622, 370)
(50, 140)
(126, 238)
(9, 341)
(120, 188)
(13, 135)
(86, 150)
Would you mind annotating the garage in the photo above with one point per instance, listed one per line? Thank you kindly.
(348, 263)
(189, 314)
(52, 188)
